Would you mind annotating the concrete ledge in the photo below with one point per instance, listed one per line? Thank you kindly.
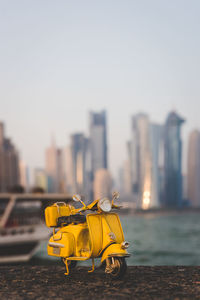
(49, 282)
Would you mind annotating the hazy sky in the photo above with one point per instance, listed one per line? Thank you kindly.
(60, 59)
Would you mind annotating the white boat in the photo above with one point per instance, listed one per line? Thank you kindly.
(22, 225)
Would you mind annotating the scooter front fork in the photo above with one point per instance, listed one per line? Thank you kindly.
(110, 265)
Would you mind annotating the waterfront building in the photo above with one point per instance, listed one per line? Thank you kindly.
(68, 170)
(157, 163)
(126, 179)
(51, 167)
(79, 152)
(143, 168)
(40, 179)
(119, 181)
(98, 140)
(193, 168)
(102, 184)
(61, 183)
(24, 176)
(88, 172)
(185, 189)
(172, 196)
(9, 163)
(140, 159)
(1, 134)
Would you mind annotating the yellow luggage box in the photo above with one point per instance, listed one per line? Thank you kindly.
(53, 212)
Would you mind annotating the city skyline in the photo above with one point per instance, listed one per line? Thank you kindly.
(65, 142)
(152, 175)
(63, 136)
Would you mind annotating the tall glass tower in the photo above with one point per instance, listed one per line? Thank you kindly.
(98, 138)
(193, 182)
(9, 163)
(172, 196)
(140, 159)
(78, 151)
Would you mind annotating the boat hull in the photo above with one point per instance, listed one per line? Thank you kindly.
(21, 243)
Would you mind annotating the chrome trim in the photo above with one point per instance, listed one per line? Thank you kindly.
(119, 255)
(124, 245)
(56, 245)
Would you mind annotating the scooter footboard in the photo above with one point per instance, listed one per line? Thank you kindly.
(114, 250)
(62, 247)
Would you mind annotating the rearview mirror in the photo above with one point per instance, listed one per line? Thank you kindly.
(115, 195)
(77, 198)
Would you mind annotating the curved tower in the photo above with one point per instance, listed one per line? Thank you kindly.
(173, 161)
(193, 171)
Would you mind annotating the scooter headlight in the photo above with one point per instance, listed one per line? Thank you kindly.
(104, 204)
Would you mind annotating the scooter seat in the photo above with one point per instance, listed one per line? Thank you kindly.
(66, 220)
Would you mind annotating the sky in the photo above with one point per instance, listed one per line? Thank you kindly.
(61, 59)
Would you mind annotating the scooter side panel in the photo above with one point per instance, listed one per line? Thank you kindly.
(95, 229)
(62, 247)
(82, 244)
(115, 226)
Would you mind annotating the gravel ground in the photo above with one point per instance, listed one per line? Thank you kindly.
(49, 282)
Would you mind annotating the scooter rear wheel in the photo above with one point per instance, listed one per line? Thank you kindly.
(119, 266)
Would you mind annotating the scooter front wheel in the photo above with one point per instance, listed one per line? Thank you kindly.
(116, 267)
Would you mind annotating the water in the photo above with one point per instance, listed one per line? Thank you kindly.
(154, 239)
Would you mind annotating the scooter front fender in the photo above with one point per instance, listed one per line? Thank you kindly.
(114, 250)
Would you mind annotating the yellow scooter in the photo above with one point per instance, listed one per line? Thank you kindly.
(80, 237)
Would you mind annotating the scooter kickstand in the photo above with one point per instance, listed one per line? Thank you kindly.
(90, 271)
(67, 268)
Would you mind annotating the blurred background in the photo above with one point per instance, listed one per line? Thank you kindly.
(97, 96)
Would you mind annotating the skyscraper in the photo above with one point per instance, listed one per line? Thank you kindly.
(157, 163)
(68, 169)
(140, 159)
(102, 184)
(125, 179)
(51, 167)
(61, 184)
(1, 134)
(98, 139)
(194, 168)
(144, 150)
(24, 175)
(9, 163)
(40, 179)
(79, 152)
(173, 161)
